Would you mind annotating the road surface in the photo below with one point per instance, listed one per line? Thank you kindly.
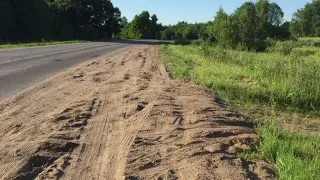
(25, 67)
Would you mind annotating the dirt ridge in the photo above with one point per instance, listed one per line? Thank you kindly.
(123, 118)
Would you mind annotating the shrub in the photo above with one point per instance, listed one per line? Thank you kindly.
(282, 47)
(269, 42)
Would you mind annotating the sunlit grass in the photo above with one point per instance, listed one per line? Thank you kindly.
(289, 83)
(296, 155)
(314, 39)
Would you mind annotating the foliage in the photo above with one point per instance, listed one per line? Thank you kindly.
(223, 29)
(249, 25)
(6, 19)
(88, 32)
(143, 26)
(22, 19)
(53, 19)
(247, 28)
(66, 33)
(168, 34)
(186, 31)
(297, 155)
(305, 21)
(283, 82)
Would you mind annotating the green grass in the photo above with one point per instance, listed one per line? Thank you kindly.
(314, 39)
(283, 83)
(308, 41)
(296, 155)
(306, 51)
(33, 44)
(271, 83)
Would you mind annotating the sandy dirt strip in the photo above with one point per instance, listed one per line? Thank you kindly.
(122, 117)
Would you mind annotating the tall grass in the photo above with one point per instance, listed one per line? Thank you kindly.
(289, 83)
(296, 155)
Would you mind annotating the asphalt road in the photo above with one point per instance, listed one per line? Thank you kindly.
(25, 67)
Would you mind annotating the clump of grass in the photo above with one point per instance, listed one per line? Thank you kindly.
(33, 44)
(296, 155)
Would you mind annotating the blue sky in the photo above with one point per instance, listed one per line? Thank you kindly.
(172, 11)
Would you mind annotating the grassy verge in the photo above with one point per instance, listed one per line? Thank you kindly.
(265, 85)
(33, 44)
(314, 39)
(284, 83)
(296, 155)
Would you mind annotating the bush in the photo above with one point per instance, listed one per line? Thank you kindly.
(269, 42)
(167, 34)
(115, 37)
(260, 45)
(282, 47)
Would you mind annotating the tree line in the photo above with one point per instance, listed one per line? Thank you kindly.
(306, 21)
(248, 26)
(34, 20)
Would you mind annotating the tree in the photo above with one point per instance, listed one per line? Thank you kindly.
(6, 19)
(305, 22)
(143, 26)
(190, 33)
(262, 13)
(275, 14)
(168, 33)
(83, 15)
(247, 22)
(28, 17)
(222, 29)
(61, 21)
(124, 22)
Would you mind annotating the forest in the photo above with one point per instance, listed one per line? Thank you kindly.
(36, 20)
